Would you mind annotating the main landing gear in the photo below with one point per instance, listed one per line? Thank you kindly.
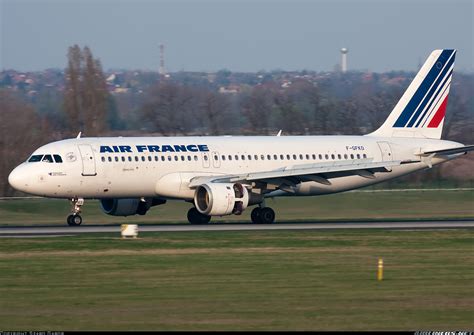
(262, 215)
(196, 217)
(75, 219)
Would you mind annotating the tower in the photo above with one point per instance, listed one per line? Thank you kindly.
(162, 60)
(344, 52)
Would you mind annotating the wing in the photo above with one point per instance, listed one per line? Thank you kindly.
(288, 177)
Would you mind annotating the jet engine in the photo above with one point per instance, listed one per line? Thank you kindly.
(221, 199)
(126, 207)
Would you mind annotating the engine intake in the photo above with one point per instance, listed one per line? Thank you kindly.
(221, 199)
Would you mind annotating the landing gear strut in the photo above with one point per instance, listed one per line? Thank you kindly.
(264, 215)
(195, 217)
(75, 219)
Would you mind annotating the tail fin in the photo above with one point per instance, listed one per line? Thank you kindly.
(420, 112)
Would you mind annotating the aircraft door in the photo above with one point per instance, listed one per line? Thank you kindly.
(206, 160)
(88, 160)
(386, 151)
(215, 159)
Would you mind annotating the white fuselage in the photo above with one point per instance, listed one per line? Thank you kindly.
(120, 167)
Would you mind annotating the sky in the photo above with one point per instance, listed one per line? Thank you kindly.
(244, 35)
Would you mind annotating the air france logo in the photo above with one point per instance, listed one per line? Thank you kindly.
(155, 148)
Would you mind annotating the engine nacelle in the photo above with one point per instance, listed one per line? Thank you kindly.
(126, 207)
(221, 199)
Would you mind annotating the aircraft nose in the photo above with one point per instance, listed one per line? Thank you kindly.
(18, 179)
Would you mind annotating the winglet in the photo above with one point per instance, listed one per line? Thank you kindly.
(79, 135)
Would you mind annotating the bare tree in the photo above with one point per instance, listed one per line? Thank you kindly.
(86, 96)
(20, 132)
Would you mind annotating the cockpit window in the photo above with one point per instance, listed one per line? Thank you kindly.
(48, 159)
(35, 158)
(58, 159)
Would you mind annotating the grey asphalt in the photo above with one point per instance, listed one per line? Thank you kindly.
(34, 231)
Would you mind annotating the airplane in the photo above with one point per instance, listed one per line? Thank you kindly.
(224, 175)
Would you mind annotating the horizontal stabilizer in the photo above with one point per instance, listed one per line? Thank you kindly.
(451, 151)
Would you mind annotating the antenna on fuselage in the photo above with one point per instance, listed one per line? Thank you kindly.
(79, 135)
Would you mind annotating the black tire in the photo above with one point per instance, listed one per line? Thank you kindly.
(267, 215)
(195, 217)
(74, 220)
(255, 215)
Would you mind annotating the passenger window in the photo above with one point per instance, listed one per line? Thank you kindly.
(314, 156)
(282, 157)
(294, 157)
(183, 158)
(269, 157)
(195, 158)
(143, 158)
(136, 158)
(256, 157)
(288, 157)
(326, 156)
(103, 159)
(358, 156)
(307, 156)
(345, 156)
(275, 157)
(123, 159)
(163, 158)
(149, 158)
(243, 157)
(169, 158)
(223, 157)
(339, 156)
(57, 159)
(176, 158)
(156, 158)
(129, 158)
(189, 158)
(301, 156)
(365, 156)
(47, 159)
(236, 157)
(320, 157)
(230, 157)
(332, 156)
(249, 157)
(262, 157)
(206, 158)
(352, 156)
(116, 159)
(109, 159)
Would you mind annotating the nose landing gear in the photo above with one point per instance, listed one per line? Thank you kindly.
(75, 219)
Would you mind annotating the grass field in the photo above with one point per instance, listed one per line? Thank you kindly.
(279, 280)
(344, 206)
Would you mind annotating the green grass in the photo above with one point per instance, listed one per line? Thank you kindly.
(279, 280)
(344, 206)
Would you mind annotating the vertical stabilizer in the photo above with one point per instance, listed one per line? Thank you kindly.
(421, 110)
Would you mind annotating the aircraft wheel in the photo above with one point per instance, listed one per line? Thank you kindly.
(195, 217)
(255, 215)
(267, 215)
(74, 220)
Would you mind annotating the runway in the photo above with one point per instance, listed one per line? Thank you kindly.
(51, 231)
